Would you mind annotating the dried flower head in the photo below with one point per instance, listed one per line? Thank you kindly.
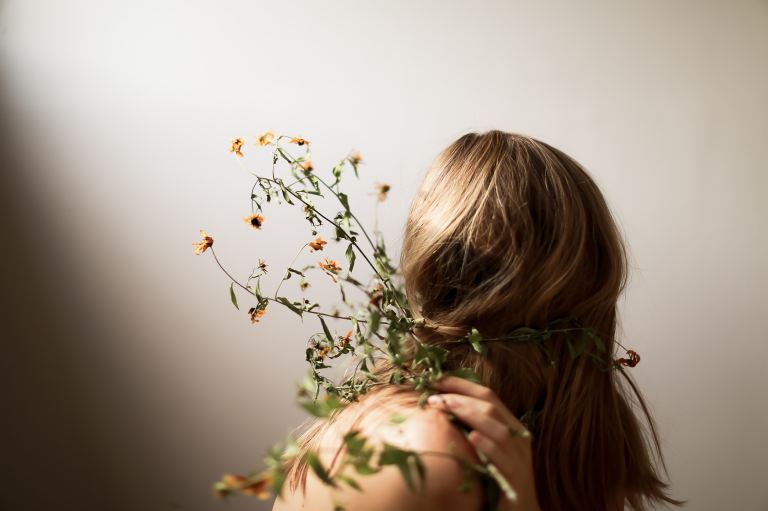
(632, 361)
(306, 166)
(316, 244)
(202, 246)
(298, 141)
(262, 265)
(383, 189)
(254, 220)
(237, 145)
(255, 314)
(331, 267)
(265, 138)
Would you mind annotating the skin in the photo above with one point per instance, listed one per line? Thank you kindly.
(426, 430)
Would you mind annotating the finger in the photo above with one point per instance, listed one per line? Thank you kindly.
(478, 414)
(493, 451)
(466, 387)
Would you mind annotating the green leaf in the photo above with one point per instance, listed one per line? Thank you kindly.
(232, 295)
(326, 331)
(344, 200)
(350, 253)
(397, 418)
(317, 467)
(475, 339)
(291, 306)
(466, 373)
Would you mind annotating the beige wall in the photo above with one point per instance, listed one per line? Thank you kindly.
(129, 380)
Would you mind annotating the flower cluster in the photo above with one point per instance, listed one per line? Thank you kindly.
(378, 323)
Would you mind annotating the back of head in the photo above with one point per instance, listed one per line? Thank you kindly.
(508, 231)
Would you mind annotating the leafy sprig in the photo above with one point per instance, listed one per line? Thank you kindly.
(378, 327)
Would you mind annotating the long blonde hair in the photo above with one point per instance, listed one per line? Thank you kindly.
(507, 231)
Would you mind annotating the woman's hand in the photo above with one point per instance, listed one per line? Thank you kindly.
(496, 433)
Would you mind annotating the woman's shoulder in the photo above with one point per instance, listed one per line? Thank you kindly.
(392, 417)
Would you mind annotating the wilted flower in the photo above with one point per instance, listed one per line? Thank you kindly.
(317, 244)
(255, 314)
(306, 166)
(237, 145)
(632, 361)
(382, 189)
(355, 158)
(265, 138)
(254, 220)
(330, 266)
(202, 246)
(298, 141)
(262, 265)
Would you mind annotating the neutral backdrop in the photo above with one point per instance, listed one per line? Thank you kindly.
(129, 380)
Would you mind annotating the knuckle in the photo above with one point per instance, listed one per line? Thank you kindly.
(486, 409)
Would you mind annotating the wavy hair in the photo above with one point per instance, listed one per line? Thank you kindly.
(506, 231)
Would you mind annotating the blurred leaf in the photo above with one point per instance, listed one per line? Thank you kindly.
(350, 253)
(232, 295)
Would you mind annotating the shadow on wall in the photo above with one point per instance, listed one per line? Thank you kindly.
(49, 458)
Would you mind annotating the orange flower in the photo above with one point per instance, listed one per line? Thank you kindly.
(259, 486)
(254, 221)
(237, 145)
(317, 244)
(632, 361)
(355, 158)
(265, 138)
(255, 314)
(322, 352)
(202, 246)
(233, 480)
(306, 166)
(345, 340)
(330, 266)
(383, 189)
(298, 140)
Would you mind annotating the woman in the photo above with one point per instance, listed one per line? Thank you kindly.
(506, 231)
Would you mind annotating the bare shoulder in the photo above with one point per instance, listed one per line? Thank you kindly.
(396, 420)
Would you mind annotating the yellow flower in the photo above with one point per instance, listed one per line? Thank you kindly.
(237, 145)
(317, 244)
(254, 221)
(383, 189)
(298, 141)
(303, 284)
(265, 138)
(355, 158)
(202, 246)
(306, 166)
(256, 314)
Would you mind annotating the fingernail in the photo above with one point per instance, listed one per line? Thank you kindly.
(435, 399)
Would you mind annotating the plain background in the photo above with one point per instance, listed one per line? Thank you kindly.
(129, 381)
